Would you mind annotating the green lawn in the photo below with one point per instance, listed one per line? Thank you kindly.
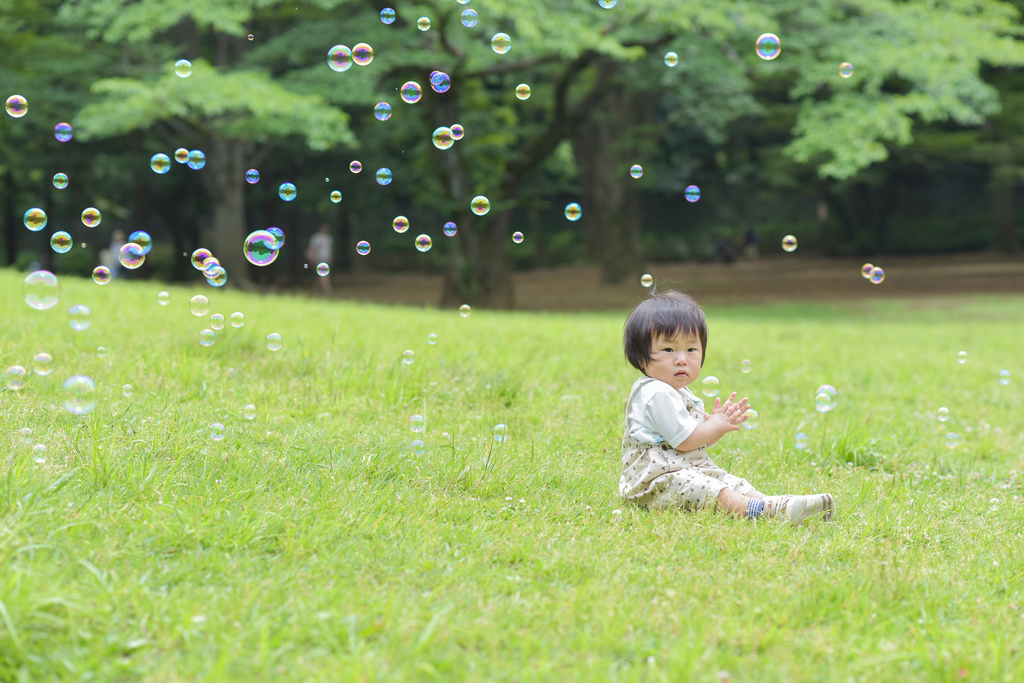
(313, 542)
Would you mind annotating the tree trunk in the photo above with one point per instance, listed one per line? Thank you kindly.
(1005, 237)
(226, 184)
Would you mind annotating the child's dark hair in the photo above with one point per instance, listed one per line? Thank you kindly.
(666, 313)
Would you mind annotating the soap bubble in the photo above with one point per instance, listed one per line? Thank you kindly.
(183, 68)
(101, 275)
(636, 171)
(127, 390)
(199, 305)
(322, 269)
(450, 229)
(417, 424)
(942, 414)
(442, 137)
(35, 219)
(1004, 377)
(101, 351)
(278, 234)
(465, 310)
(523, 91)
(846, 69)
(42, 364)
(79, 393)
(39, 453)
(710, 387)
(215, 275)
(607, 4)
(745, 366)
(431, 338)
(440, 81)
(408, 356)
(469, 18)
(91, 217)
(339, 58)
(517, 237)
(480, 205)
(573, 211)
(961, 357)
(207, 337)
(60, 180)
(423, 23)
(17, 106)
(63, 132)
(142, 239)
(825, 398)
(800, 441)
(355, 167)
(768, 46)
(237, 319)
(362, 54)
(418, 447)
(692, 193)
(458, 131)
(287, 192)
(160, 163)
(646, 280)
(789, 243)
(865, 270)
(335, 196)
(61, 242)
(363, 248)
(387, 15)
(877, 275)
(78, 317)
(259, 248)
(501, 432)
(753, 419)
(163, 298)
(411, 92)
(217, 322)
(423, 243)
(952, 439)
(199, 257)
(217, 431)
(181, 155)
(671, 59)
(131, 256)
(15, 377)
(400, 224)
(273, 341)
(249, 411)
(501, 43)
(252, 176)
(382, 112)
(41, 290)
(383, 176)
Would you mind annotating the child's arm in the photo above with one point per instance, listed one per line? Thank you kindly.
(724, 418)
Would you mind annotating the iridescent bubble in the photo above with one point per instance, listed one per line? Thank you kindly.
(273, 341)
(501, 432)
(355, 167)
(952, 439)
(181, 155)
(800, 441)
(196, 159)
(287, 192)
(636, 171)
(15, 377)
(382, 112)
(846, 69)
(823, 403)
(363, 248)
(207, 337)
(91, 217)
(440, 81)
(61, 242)
(39, 453)
(646, 280)
(753, 419)
(278, 234)
(1004, 377)
(710, 387)
(17, 106)
(480, 205)
(465, 310)
(450, 229)
(237, 319)
(249, 411)
(523, 91)
(387, 15)
(442, 137)
(199, 257)
(101, 351)
(42, 364)
(746, 366)
(417, 423)
(131, 256)
(418, 447)
(411, 92)
(217, 431)
(143, 239)
(163, 298)
(217, 322)
(60, 180)
(78, 317)
(865, 270)
(692, 193)
(259, 248)
(423, 243)
(877, 275)
(79, 393)
(335, 196)
(942, 415)
(400, 224)
(35, 219)
(469, 18)
(383, 176)
(961, 357)
(517, 237)
(573, 211)
(671, 59)
(63, 132)
(199, 305)
(41, 290)
(431, 338)
(252, 176)
(127, 390)
(458, 131)
(423, 23)
(323, 269)
(362, 54)
(501, 43)
(768, 46)
(607, 4)
(183, 68)
(789, 243)
(250, 36)
(339, 58)
(101, 275)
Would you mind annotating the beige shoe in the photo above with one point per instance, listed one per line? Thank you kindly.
(799, 508)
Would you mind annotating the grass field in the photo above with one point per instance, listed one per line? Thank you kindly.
(313, 543)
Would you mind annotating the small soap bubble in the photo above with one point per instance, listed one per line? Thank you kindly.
(207, 337)
(249, 411)
(216, 276)
(160, 163)
(163, 298)
(823, 403)
(800, 441)
(60, 180)
(199, 305)
(181, 155)
(1004, 377)
(41, 290)
(335, 196)
(423, 23)
(469, 18)
(431, 338)
(408, 356)
(78, 317)
(91, 217)
(383, 176)
(101, 351)
(671, 59)
(952, 439)
(196, 159)
(131, 256)
(339, 58)
(753, 419)
(846, 69)
(79, 392)
(323, 269)
(710, 387)
(382, 112)
(768, 46)
(101, 275)
(607, 4)
(35, 219)
(183, 68)
(17, 106)
(423, 243)
(877, 275)
(252, 176)
(362, 54)
(400, 224)
(745, 366)
(387, 15)
(199, 257)
(143, 239)
(418, 447)
(217, 431)
(15, 377)
(250, 36)
(501, 432)
(442, 137)
(237, 319)
(217, 322)
(411, 92)
(501, 43)
(523, 91)
(865, 270)
(573, 211)
(517, 237)
(961, 357)
(646, 280)
(458, 131)
(450, 229)
(636, 171)
(465, 310)
(942, 415)
(287, 192)
(273, 341)
(363, 248)
(417, 424)
(355, 167)
(127, 390)
(789, 243)
(61, 242)
(259, 248)
(278, 234)
(63, 132)
(39, 453)
(692, 193)
(42, 364)
(440, 81)
(480, 205)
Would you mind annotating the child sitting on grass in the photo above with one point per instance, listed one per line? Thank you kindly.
(663, 458)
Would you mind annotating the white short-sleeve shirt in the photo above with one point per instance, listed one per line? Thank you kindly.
(657, 413)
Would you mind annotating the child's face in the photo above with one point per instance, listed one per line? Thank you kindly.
(675, 360)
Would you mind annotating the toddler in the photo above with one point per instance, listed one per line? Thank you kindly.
(664, 461)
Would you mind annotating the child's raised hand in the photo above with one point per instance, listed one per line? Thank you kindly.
(732, 410)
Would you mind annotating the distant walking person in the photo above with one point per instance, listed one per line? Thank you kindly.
(320, 251)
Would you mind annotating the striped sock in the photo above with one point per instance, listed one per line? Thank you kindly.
(754, 508)
(774, 505)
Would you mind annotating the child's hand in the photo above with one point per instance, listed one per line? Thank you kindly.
(733, 411)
